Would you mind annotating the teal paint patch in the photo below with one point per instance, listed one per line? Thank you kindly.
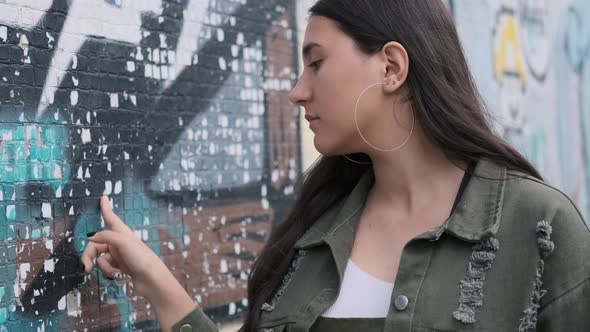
(136, 216)
(35, 234)
(31, 153)
(116, 295)
(3, 311)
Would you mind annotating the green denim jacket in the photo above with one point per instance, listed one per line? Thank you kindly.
(513, 256)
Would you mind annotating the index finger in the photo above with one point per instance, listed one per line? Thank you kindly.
(112, 221)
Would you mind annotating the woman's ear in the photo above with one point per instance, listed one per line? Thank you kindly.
(396, 63)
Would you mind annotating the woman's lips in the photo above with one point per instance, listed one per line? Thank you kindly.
(310, 118)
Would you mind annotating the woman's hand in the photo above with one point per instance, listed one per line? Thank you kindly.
(119, 251)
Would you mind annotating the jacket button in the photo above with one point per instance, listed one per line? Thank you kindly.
(401, 302)
(186, 328)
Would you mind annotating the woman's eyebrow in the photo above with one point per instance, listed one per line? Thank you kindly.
(307, 49)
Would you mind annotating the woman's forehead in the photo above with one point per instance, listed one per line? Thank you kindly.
(320, 27)
(322, 32)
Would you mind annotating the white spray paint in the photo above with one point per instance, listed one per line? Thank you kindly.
(193, 17)
(73, 97)
(49, 245)
(73, 303)
(108, 188)
(114, 99)
(46, 211)
(81, 22)
(3, 33)
(49, 265)
(61, 304)
(86, 137)
(118, 187)
(24, 268)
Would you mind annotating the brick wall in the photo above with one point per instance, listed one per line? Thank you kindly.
(177, 109)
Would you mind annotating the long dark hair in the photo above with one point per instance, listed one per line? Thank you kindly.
(445, 101)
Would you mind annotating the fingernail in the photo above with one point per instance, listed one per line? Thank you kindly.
(90, 234)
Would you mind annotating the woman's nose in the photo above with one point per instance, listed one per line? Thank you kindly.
(300, 94)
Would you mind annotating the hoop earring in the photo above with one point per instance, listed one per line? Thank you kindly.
(358, 162)
(361, 134)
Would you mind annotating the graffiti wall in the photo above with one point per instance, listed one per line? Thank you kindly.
(531, 61)
(176, 109)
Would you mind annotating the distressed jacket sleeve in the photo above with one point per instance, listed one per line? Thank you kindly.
(565, 298)
(196, 320)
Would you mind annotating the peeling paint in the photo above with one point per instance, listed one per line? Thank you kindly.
(113, 105)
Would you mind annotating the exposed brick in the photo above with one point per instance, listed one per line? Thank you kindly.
(137, 111)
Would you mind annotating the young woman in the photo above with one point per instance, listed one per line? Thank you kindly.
(416, 218)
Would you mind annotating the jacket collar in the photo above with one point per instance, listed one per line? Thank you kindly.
(476, 216)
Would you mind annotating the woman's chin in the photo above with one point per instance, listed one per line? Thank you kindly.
(323, 147)
(328, 150)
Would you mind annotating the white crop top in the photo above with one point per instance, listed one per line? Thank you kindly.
(361, 295)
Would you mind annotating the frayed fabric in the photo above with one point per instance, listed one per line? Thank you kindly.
(286, 279)
(472, 286)
(528, 321)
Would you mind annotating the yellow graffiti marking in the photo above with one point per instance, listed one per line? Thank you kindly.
(508, 57)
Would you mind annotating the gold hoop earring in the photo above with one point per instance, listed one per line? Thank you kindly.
(363, 137)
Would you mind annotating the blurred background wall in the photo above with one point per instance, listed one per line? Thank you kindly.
(531, 61)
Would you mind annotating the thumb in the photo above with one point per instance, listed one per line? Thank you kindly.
(107, 237)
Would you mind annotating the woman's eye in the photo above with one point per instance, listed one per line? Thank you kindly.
(315, 65)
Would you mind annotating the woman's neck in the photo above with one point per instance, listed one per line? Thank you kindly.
(415, 176)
